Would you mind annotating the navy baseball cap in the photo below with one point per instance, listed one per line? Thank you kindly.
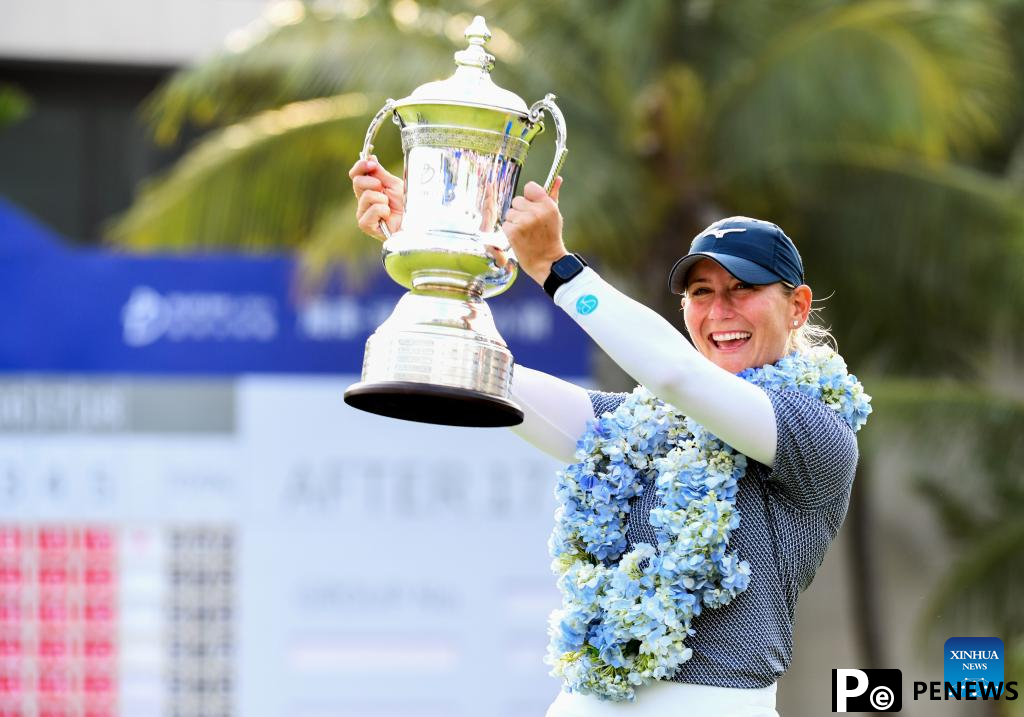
(752, 250)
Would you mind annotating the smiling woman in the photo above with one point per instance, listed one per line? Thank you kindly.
(739, 314)
(736, 324)
(670, 602)
(721, 286)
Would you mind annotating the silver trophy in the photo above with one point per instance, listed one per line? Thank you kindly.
(439, 358)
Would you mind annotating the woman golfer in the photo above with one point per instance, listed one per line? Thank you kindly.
(694, 510)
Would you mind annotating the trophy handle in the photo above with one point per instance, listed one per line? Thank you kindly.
(371, 134)
(548, 103)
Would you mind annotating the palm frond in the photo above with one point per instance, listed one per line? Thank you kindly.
(315, 52)
(977, 496)
(945, 399)
(956, 516)
(971, 439)
(940, 416)
(908, 243)
(981, 589)
(928, 79)
(1015, 167)
(258, 184)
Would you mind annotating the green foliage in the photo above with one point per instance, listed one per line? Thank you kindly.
(853, 124)
(259, 184)
(296, 53)
(928, 258)
(14, 104)
(977, 496)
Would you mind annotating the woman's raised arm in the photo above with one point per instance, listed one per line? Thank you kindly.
(653, 352)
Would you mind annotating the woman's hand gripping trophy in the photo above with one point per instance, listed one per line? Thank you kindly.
(380, 197)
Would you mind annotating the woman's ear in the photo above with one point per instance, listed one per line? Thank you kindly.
(801, 299)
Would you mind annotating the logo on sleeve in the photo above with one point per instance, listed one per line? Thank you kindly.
(586, 305)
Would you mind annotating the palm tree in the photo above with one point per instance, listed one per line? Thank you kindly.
(843, 120)
(979, 499)
(860, 126)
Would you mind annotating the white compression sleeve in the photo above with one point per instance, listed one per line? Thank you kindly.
(556, 412)
(656, 355)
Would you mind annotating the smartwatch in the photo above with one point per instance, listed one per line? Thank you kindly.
(563, 271)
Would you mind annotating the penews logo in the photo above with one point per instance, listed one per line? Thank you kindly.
(867, 690)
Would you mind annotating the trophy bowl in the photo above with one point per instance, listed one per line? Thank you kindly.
(439, 357)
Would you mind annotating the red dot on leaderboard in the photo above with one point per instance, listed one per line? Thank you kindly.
(53, 538)
(98, 539)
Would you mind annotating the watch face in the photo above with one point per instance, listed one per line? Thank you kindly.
(567, 267)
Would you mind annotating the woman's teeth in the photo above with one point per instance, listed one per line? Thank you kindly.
(730, 339)
(731, 335)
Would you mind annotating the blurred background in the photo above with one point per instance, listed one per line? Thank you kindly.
(191, 520)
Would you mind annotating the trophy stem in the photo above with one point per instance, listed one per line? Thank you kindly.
(454, 291)
(438, 359)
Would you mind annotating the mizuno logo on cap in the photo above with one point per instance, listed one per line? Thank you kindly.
(719, 233)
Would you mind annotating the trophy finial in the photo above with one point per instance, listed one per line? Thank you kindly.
(477, 32)
(475, 55)
(471, 83)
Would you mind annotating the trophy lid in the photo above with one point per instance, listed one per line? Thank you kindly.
(471, 84)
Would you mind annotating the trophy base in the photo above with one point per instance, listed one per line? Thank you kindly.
(438, 359)
(427, 403)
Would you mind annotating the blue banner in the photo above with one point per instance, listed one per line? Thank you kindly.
(85, 310)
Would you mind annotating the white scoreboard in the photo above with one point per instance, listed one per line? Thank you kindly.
(252, 546)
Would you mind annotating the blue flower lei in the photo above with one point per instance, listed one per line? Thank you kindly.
(625, 617)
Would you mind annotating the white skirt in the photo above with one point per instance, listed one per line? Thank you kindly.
(671, 699)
